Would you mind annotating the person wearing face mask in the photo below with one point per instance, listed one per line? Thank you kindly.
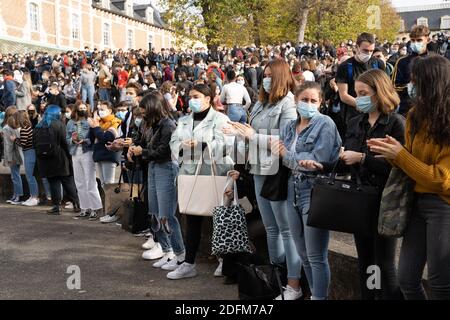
(353, 67)
(401, 76)
(68, 113)
(104, 130)
(312, 136)
(198, 135)
(24, 92)
(377, 100)
(55, 97)
(104, 82)
(80, 147)
(273, 111)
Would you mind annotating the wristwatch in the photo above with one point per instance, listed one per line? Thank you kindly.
(363, 158)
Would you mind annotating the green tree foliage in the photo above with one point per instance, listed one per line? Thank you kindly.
(230, 22)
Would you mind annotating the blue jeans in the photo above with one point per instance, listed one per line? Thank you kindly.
(46, 187)
(16, 180)
(30, 161)
(103, 94)
(311, 243)
(236, 113)
(162, 199)
(87, 93)
(279, 239)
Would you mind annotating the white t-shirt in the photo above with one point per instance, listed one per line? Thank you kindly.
(309, 76)
(235, 93)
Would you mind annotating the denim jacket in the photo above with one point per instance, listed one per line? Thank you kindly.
(85, 128)
(320, 141)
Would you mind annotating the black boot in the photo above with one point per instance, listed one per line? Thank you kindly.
(76, 207)
(55, 210)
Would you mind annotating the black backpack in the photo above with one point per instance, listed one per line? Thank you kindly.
(45, 142)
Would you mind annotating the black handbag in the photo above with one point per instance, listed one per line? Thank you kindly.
(275, 187)
(344, 206)
(136, 218)
(260, 282)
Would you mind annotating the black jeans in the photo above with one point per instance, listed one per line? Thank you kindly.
(378, 251)
(70, 190)
(193, 237)
(426, 240)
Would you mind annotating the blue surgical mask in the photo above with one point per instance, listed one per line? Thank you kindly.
(138, 122)
(417, 47)
(267, 84)
(306, 110)
(121, 115)
(195, 105)
(364, 104)
(411, 90)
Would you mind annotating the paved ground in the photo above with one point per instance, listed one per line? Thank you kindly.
(36, 250)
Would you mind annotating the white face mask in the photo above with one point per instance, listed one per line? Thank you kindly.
(102, 113)
(241, 82)
(364, 57)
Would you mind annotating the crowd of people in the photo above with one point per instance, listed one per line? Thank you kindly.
(367, 106)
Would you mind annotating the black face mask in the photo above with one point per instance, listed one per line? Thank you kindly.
(82, 113)
(31, 113)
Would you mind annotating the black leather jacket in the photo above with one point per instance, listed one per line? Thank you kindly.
(156, 147)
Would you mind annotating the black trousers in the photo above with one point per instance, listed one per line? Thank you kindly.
(70, 190)
(193, 237)
(426, 241)
(379, 251)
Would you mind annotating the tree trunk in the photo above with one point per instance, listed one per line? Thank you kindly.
(303, 23)
(256, 33)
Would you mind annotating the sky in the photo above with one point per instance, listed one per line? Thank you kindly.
(396, 3)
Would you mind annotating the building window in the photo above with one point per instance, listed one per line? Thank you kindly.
(445, 22)
(149, 14)
(130, 40)
(75, 27)
(106, 35)
(34, 17)
(422, 21)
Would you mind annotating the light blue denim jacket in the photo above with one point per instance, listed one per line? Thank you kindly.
(72, 127)
(320, 141)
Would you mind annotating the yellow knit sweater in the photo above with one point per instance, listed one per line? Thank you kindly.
(428, 164)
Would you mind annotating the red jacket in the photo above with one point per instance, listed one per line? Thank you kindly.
(122, 79)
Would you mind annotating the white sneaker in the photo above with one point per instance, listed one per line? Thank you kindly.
(218, 272)
(290, 294)
(168, 256)
(69, 205)
(174, 263)
(154, 253)
(185, 270)
(31, 202)
(149, 244)
(109, 219)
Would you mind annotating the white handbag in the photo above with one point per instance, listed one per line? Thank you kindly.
(199, 194)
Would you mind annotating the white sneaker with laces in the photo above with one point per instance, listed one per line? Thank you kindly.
(31, 202)
(168, 256)
(290, 294)
(218, 272)
(171, 265)
(109, 219)
(154, 253)
(150, 243)
(69, 205)
(185, 270)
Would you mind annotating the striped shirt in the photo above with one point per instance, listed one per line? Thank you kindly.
(26, 138)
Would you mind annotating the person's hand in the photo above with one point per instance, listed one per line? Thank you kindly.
(311, 165)
(137, 151)
(93, 122)
(75, 137)
(351, 157)
(126, 143)
(190, 143)
(387, 147)
(244, 130)
(229, 130)
(12, 138)
(278, 148)
(114, 146)
(234, 174)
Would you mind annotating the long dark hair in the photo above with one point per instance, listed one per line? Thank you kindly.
(156, 108)
(431, 111)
